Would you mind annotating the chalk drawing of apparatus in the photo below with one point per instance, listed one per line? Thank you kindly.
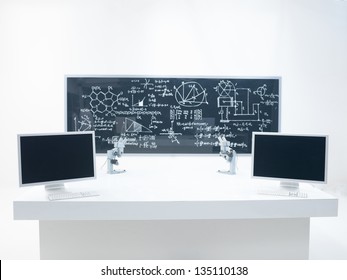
(234, 103)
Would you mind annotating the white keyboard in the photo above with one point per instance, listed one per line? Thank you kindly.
(70, 195)
(284, 193)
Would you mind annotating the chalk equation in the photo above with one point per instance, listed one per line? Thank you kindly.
(173, 115)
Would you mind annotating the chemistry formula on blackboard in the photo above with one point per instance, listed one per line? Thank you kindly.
(172, 114)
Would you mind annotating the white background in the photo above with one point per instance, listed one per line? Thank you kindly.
(303, 41)
(91, 270)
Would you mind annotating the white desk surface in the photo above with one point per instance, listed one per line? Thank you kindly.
(168, 187)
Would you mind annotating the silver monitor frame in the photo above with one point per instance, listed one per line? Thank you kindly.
(285, 181)
(54, 183)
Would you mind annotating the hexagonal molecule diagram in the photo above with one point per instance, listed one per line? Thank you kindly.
(103, 102)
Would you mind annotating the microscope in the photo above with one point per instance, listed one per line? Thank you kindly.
(229, 155)
(114, 154)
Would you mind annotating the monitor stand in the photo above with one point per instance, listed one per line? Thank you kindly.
(292, 185)
(55, 187)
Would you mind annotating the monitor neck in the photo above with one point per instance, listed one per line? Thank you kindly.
(55, 187)
(289, 184)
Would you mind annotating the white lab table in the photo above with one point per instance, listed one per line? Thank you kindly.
(175, 207)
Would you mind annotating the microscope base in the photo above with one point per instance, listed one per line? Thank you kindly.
(116, 171)
(228, 172)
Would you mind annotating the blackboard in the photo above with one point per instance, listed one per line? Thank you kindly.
(172, 114)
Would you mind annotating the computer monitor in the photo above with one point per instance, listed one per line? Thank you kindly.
(290, 158)
(53, 159)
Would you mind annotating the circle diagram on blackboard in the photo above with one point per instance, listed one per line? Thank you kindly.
(173, 114)
(190, 94)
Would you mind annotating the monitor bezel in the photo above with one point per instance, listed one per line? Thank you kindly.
(54, 182)
(289, 180)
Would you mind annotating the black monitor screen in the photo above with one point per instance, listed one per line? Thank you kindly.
(56, 157)
(294, 157)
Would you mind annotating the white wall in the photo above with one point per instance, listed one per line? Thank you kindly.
(304, 41)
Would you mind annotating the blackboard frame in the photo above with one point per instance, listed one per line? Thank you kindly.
(215, 150)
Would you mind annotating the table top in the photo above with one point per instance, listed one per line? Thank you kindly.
(170, 187)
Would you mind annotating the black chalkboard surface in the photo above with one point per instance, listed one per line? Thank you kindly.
(172, 114)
